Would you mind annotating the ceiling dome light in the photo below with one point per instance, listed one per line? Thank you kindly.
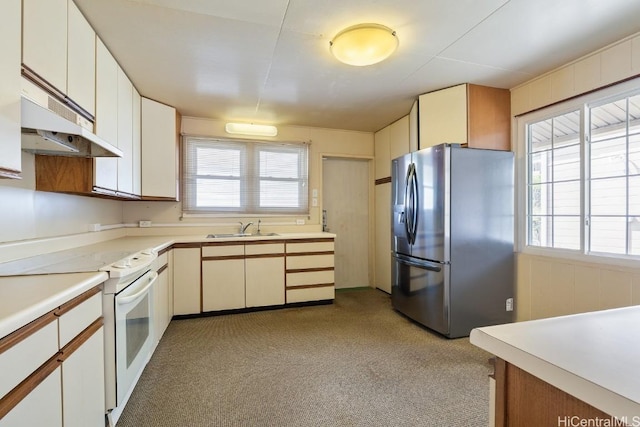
(364, 44)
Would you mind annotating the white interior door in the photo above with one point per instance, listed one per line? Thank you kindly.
(345, 200)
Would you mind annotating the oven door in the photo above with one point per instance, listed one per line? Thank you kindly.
(134, 332)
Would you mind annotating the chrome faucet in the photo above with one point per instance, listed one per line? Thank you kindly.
(243, 227)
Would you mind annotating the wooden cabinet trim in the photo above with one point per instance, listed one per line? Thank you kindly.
(69, 305)
(315, 285)
(222, 257)
(499, 373)
(308, 270)
(186, 245)
(163, 268)
(384, 180)
(271, 255)
(22, 390)
(164, 250)
(303, 241)
(311, 253)
(26, 331)
(80, 339)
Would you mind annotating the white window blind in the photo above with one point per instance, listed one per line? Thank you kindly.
(245, 177)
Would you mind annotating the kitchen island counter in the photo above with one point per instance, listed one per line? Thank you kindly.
(594, 357)
(25, 298)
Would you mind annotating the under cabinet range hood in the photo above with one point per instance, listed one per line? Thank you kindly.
(51, 127)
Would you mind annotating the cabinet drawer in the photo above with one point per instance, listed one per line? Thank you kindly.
(222, 250)
(18, 361)
(310, 294)
(266, 248)
(310, 247)
(310, 278)
(75, 320)
(309, 261)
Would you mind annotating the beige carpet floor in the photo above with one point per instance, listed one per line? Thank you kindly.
(356, 362)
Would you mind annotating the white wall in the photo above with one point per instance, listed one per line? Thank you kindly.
(553, 286)
(28, 214)
(166, 216)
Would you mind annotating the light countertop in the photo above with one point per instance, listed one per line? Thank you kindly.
(592, 356)
(23, 299)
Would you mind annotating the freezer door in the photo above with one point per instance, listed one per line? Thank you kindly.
(420, 291)
(432, 200)
(400, 168)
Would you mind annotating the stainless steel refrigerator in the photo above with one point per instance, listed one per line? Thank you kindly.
(452, 228)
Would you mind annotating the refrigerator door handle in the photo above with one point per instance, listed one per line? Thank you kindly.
(416, 205)
(419, 264)
(408, 203)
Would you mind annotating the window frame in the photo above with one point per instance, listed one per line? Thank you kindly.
(249, 177)
(583, 103)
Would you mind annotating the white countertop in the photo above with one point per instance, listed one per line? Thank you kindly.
(24, 299)
(592, 356)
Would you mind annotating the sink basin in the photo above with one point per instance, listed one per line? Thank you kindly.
(221, 235)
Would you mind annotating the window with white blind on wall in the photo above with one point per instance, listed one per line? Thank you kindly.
(583, 176)
(245, 177)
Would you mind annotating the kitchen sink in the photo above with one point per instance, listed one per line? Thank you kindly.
(217, 236)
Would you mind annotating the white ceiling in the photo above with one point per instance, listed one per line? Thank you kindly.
(268, 61)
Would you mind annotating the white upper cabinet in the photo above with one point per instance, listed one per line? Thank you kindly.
(106, 94)
(382, 153)
(137, 143)
(81, 71)
(125, 133)
(106, 169)
(443, 116)
(10, 164)
(44, 40)
(159, 150)
(413, 127)
(399, 138)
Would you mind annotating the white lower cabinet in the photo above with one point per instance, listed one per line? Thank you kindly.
(186, 279)
(41, 407)
(64, 353)
(83, 384)
(163, 295)
(264, 274)
(310, 270)
(223, 277)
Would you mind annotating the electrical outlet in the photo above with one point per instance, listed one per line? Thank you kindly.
(94, 227)
(314, 202)
(299, 221)
(509, 304)
(144, 224)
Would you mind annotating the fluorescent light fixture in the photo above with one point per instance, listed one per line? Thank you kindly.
(364, 44)
(250, 129)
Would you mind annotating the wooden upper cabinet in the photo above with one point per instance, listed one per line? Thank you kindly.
(10, 155)
(81, 71)
(44, 40)
(478, 116)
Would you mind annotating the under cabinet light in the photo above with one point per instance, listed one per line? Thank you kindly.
(251, 129)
